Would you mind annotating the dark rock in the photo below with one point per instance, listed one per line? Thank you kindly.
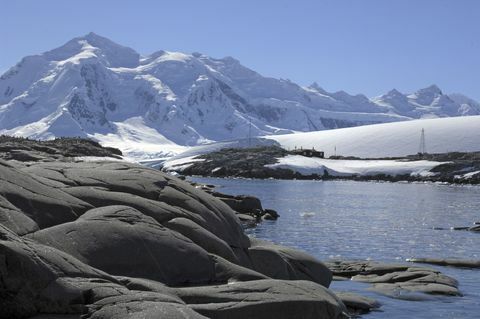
(281, 262)
(462, 263)
(247, 218)
(27, 150)
(474, 228)
(28, 272)
(243, 204)
(414, 291)
(166, 233)
(202, 237)
(42, 204)
(270, 214)
(357, 304)
(460, 228)
(264, 299)
(141, 305)
(397, 280)
(226, 271)
(122, 241)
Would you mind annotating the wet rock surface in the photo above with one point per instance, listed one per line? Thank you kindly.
(357, 304)
(398, 281)
(119, 240)
(451, 262)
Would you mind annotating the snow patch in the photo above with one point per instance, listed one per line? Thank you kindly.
(309, 166)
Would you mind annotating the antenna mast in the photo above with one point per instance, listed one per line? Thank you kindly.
(423, 147)
(249, 132)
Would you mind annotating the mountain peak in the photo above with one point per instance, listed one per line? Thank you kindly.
(111, 53)
(427, 95)
(432, 89)
(394, 92)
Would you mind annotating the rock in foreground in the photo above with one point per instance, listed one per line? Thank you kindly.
(119, 240)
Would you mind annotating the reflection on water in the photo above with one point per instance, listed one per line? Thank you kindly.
(379, 221)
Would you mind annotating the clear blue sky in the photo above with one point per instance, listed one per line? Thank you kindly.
(360, 46)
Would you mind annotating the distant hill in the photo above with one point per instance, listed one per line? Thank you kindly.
(456, 134)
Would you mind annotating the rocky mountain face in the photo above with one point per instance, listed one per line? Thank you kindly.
(94, 87)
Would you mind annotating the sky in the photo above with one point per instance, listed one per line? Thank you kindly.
(359, 46)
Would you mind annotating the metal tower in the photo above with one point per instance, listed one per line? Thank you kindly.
(249, 132)
(423, 147)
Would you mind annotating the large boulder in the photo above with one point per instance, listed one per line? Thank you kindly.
(41, 203)
(122, 241)
(264, 299)
(281, 262)
(397, 280)
(14, 219)
(157, 194)
(202, 237)
(28, 274)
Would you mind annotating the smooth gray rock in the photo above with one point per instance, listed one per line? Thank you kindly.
(98, 197)
(414, 291)
(151, 191)
(122, 241)
(226, 271)
(397, 280)
(116, 261)
(357, 304)
(41, 203)
(349, 268)
(218, 218)
(202, 237)
(281, 262)
(14, 219)
(243, 204)
(452, 262)
(264, 299)
(28, 269)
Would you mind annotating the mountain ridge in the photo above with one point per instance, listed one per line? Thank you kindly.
(94, 87)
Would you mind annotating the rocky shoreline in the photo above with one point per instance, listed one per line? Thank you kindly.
(111, 239)
(118, 240)
(251, 163)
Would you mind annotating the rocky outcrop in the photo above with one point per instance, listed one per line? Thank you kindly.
(29, 150)
(264, 299)
(119, 240)
(451, 262)
(397, 280)
(247, 208)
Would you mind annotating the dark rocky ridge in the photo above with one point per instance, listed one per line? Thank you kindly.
(250, 163)
(24, 149)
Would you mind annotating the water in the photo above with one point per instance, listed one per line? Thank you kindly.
(380, 221)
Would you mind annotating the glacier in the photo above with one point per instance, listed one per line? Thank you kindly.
(161, 104)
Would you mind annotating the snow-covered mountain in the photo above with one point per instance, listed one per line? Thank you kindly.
(428, 102)
(160, 103)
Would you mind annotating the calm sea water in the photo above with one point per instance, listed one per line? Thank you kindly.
(380, 221)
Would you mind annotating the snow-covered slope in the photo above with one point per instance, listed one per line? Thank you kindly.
(320, 166)
(156, 105)
(391, 139)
